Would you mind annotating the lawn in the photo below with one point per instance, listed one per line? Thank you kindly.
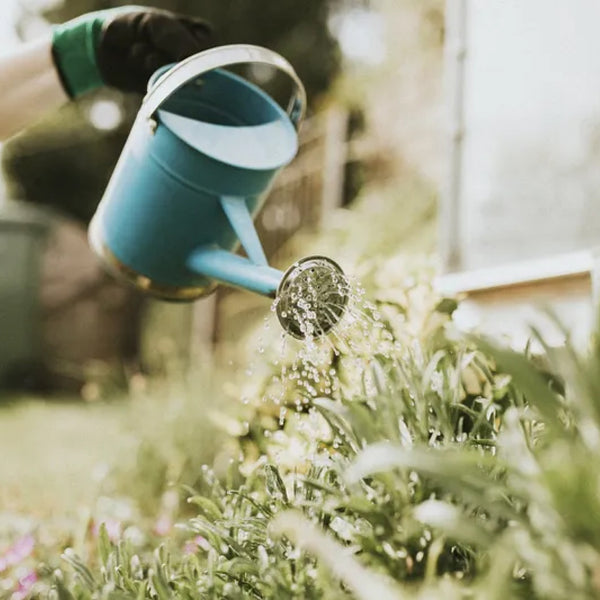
(54, 453)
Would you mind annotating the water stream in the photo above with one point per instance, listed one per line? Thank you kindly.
(321, 366)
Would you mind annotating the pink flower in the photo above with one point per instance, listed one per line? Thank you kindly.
(113, 529)
(18, 552)
(191, 546)
(163, 525)
(24, 586)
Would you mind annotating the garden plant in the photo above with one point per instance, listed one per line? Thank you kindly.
(398, 460)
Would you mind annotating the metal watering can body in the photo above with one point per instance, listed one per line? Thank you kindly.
(200, 158)
(201, 155)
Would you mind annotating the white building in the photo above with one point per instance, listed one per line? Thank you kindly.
(520, 209)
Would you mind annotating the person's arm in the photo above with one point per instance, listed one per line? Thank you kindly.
(29, 86)
(120, 48)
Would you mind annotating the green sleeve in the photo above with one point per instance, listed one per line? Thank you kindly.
(74, 47)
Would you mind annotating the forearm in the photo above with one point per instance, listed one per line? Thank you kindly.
(120, 47)
(29, 86)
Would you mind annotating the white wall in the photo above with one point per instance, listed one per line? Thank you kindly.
(530, 175)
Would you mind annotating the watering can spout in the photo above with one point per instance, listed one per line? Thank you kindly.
(311, 296)
(252, 273)
(237, 271)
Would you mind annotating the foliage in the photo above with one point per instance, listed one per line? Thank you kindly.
(434, 465)
(66, 162)
(175, 436)
(413, 394)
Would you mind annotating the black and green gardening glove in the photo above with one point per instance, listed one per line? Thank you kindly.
(123, 47)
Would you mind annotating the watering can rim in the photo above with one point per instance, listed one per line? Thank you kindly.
(240, 163)
(161, 89)
(282, 118)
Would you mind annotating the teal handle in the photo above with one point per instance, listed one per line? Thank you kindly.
(235, 270)
(161, 88)
(240, 219)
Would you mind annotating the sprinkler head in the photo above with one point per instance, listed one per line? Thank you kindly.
(312, 297)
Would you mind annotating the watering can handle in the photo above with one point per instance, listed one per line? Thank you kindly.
(215, 58)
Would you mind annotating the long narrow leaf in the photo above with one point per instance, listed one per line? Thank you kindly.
(365, 584)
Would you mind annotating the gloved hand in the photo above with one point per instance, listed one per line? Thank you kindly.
(122, 47)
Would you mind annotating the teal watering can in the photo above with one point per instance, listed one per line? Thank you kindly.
(198, 163)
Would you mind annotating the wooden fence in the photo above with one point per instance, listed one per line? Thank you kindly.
(303, 196)
(89, 317)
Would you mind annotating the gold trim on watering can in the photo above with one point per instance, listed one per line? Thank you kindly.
(141, 282)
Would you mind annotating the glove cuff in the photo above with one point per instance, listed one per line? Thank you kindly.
(74, 52)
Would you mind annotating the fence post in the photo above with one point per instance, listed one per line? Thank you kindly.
(202, 330)
(335, 152)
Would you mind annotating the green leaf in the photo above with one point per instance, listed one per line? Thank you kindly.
(207, 506)
(240, 567)
(104, 545)
(468, 473)
(364, 583)
(449, 519)
(260, 507)
(275, 485)
(61, 590)
(159, 578)
(529, 381)
(79, 567)
(446, 306)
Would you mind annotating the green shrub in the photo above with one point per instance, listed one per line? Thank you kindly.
(398, 461)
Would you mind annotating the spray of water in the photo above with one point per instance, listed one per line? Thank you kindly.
(331, 334)
(329, 349)
(312, 297)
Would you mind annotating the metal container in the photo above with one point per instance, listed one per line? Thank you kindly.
(203, 151)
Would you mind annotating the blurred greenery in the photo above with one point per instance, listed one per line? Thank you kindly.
(38, 438)
(438, 466)
(394, 460)
(398, 459)
(66, 162)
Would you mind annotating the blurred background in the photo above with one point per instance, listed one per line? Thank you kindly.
(372, 71)
(80, 347)
(458, 134)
